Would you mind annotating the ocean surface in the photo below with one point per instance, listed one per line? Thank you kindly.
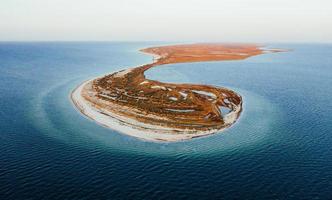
(281, 147)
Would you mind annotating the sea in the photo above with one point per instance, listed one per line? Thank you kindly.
(280, 148)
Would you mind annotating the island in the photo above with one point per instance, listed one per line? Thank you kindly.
(128, 102)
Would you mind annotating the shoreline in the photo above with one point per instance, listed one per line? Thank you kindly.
(159, 126)
(88, 111)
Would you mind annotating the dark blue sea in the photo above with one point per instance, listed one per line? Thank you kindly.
(281, 147)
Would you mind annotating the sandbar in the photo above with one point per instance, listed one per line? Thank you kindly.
(128, 102)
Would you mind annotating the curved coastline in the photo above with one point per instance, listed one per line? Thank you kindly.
(120, 124)
(132, 121)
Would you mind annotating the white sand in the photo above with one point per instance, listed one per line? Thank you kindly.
(138, 129)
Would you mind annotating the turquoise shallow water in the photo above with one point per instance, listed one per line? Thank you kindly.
(279, 148)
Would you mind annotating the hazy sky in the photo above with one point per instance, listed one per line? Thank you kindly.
(177, 20)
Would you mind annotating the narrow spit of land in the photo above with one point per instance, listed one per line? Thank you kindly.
(130, 103)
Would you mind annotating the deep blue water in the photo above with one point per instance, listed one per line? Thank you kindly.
(281, 148)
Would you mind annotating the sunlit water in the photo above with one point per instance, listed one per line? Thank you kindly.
(280, 148)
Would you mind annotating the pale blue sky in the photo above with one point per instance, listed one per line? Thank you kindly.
(180, 20)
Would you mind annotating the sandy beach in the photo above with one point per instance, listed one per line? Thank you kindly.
(141, 130)
(127, 102)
